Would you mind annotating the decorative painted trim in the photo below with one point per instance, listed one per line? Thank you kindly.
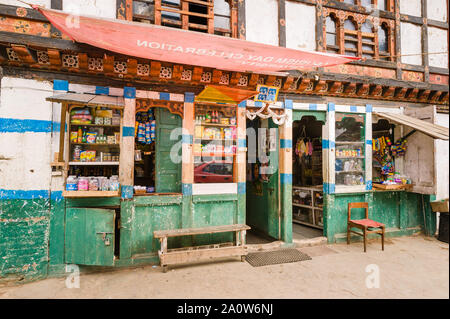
(368, 142)
(189, 97)
(331, 107)
(127, 191)
(60, 85)
(187, 139)
(327, 144)
(186, 189)
(128, 131)
(353, 108)
(368, 185)
(56, 195)
(288, 104)
(307, 107)
(369, 108)
(312, 107)
(8, 125)
(24, 194)
(285, 178)
(102, 90)
(129, 92)
(242, 142)
(163, 96)
(285, 143)
(329, 188)
(243, 104)
(242, 188)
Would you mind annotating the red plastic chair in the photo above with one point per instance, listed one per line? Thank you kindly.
(367, 225)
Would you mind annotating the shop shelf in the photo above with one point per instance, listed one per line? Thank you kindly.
(93, 163)
(97, 144)
(95, 125)
(346, 157)
(216, 124)
(349, 143)
(76, 194)
(214, 154)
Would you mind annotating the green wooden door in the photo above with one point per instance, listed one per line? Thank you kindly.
(168, 171)
(89, 236)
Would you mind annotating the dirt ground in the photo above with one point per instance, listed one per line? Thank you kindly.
(410, 267)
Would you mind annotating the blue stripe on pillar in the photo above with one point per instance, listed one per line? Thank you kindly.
(313, 107)
(24, 194)
(187, 189)
(242, 142)
(242, 104)
(285, 178)
(164, 96)
(102, 90)
(187, 139)
(259, 104)
(128, 131)
(129, 92)
(326, 144)
(329, 188)
(368, 142)
(127, 191)
(242, 188)
(285, 143)
(369, 108)
(60, 85)
(331, 107)
(353, 108)
(288, 104)
(368, 185)
(189, 97)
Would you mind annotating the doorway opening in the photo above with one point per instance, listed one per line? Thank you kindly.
(307, 179)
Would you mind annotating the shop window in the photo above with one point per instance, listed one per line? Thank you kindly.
(368, 40)
(350, 38)
(350, 1)
(350, 137)
(209, 16)
(215, 144)
(383, 164)
(382, 4)
(331, 35)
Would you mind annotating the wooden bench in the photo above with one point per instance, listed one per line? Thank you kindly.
(197, 253)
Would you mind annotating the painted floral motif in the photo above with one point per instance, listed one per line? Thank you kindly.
(22, 26)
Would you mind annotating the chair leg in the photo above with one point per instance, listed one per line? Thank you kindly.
(382, 238)
(348, 234)
(365, 239)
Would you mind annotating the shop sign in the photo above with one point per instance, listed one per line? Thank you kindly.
(268, 94)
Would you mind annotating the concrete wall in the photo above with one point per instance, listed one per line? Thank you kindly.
(442, 154)
(300, 26)
(437, 42)
(411, 7)
(437, 10)
(98, 8)
(411, 43)
(262, 21)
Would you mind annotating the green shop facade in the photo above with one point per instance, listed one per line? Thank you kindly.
(115, 228)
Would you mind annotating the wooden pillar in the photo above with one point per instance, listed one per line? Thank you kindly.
(285, 167)
(187, 144)
(241, 19)
(241, 161)
(126, 159)
(368, 149)
(282, 23)
(328, 149)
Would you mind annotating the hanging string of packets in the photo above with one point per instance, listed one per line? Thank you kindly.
(303, 148)
(145, 127)
(382, 149)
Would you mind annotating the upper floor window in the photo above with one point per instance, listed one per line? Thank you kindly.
(350, 37)
(379, 4)
(331, 35)
(368, 39)
(209, 16)
(383, 43)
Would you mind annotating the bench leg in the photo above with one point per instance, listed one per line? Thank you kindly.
(365, 239)
(243, 258)
(382, 238)
(165, 268)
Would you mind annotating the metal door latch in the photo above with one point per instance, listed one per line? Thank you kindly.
(104, 238)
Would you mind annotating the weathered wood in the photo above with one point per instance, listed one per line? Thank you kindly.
(91, 194)
(179, 257)
(199, 231)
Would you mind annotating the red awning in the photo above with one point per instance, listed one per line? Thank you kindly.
(186, 47)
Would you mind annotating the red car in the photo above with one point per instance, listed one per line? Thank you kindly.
(214, 172)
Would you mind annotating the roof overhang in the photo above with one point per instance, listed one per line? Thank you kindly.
(433, 130)
(186, 47)
(89, 100)
(223, 94)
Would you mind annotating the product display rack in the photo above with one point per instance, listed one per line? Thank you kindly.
(307, 210)
(110, 130)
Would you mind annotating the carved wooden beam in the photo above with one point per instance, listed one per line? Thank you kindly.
(320, 86)
(444, 98)
(155, 69)
(333, 87)
(400, 93)
(177, 70)
(54, 58)
(83, 64)
(412, 94)
(434, 96)
(304, 85)
(197, 74)
(288, 83)
(423, 95)
(24, 54)
(376, 90)
(350, 88)
(131, 68)
(271, 80)
(108, 64)
(235, 78)
(253, 79)
(362, 89)
(388, 91)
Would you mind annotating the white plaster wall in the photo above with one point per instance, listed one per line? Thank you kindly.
(300, 26)
(27, 163)
(442, 155)
(45, 3)
(25, 156)
(262, 21)
(437, 10)
(25, 99)
(437, 42)
(411, 43)
(98, 8)
(411, 7)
